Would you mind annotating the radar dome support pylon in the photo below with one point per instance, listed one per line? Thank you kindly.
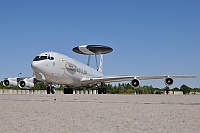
(90, 49)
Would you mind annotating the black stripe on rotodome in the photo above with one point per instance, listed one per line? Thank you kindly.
(76, 49)
(99, 49)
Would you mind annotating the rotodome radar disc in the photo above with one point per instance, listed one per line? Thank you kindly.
(92, 49)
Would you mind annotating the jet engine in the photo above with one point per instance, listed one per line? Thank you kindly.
(10, 82)
(135, 83)
(27, 83)
(169, 81)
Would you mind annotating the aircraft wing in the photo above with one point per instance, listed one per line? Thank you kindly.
(119, 78)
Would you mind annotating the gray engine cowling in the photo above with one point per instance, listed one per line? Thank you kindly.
(169, 81)
(10, 82)
(135, 83)
(27, 83)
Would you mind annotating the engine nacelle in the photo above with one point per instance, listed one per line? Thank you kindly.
(169, 81)
(27, 83)
(135, 83)
(10, 82)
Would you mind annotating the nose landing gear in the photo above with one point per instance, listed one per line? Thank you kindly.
(50, 89)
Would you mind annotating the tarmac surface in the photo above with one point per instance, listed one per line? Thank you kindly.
(99, 113)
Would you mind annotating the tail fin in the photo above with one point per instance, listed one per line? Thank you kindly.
(101, 64)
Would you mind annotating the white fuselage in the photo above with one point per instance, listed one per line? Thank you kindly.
(52, 67)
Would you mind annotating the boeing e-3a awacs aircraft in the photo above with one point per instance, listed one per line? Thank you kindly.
(56, 68)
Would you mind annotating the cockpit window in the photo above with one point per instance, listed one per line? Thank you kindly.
(38, 58)
(51, 58)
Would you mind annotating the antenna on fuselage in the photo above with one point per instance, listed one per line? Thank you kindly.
(93, 50)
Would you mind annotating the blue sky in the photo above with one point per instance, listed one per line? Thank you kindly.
(148, 37)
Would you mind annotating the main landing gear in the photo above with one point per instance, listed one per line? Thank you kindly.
(102, 89)
(50, 89)
(68, 90)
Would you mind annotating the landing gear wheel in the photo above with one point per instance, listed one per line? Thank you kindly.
(68, 91)
(99, 90)
(48, 90)
(52, 90)
(104, 90)
(65, 91)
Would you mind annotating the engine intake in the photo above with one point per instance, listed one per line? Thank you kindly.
(135, 83)
(169, 81)
(10, 82)
(27, 83)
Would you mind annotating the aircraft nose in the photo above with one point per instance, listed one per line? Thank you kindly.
(35, 65)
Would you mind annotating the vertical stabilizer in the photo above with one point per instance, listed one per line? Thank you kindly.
(101, 64)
